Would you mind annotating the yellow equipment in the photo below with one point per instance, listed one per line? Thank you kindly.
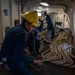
(31, 17)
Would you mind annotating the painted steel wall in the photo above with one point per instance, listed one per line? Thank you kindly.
(15, 12)
(9, 11)
(1, 30)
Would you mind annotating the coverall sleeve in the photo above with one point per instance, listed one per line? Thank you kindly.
(20, 46)
(48, 18)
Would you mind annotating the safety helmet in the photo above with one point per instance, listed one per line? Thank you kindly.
(31, 17)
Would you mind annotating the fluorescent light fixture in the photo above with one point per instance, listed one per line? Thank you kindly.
(39, 14)
(44, 3)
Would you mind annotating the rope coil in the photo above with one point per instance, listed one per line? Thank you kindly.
(60, 51)
(59, 55)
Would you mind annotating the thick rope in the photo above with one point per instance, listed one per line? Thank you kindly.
(60, 51)
(56, 54)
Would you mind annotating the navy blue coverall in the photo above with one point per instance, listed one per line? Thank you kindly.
(40, 28)
(50, 25)
(13, 48)
(34, 41)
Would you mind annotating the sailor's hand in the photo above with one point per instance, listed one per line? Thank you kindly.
(26, 52)
(38, 62)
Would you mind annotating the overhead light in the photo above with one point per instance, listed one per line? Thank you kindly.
(44, 3)
(39, 14)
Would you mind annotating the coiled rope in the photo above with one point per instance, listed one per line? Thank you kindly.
(59, 55)
(60, 51)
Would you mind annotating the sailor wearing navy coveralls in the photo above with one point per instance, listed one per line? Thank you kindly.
(49, 24)
(14, 47)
